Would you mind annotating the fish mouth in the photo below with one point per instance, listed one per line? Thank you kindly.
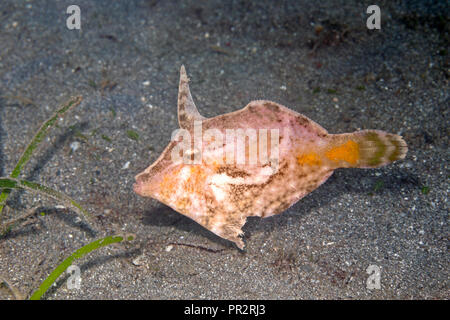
(141, 184)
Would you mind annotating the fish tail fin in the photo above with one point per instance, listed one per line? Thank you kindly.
(365, 149)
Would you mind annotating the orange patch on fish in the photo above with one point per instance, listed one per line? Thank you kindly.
(311, 159)
(196, 179)
(348, 152)
(168, 184)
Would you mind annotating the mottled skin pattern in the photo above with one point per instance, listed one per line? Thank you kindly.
(220, 195)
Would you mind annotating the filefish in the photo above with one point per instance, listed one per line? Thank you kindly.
(256, 161)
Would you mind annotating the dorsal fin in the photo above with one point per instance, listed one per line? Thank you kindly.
(187, 111)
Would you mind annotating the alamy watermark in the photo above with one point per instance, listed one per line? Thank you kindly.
(74, 280)
(228, 146)
(374, 20)
(74, 20)
(374, 279)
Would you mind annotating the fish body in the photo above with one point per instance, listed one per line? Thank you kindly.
(257, 161)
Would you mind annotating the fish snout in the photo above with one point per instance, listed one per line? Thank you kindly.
(139, 186)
